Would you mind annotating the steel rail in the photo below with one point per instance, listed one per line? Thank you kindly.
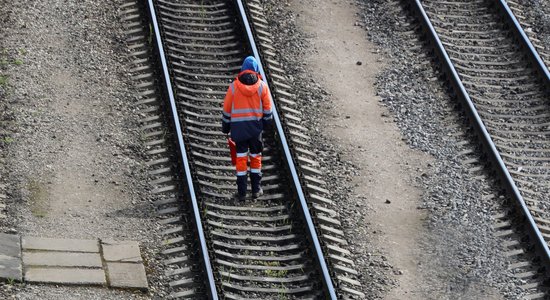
(327, 280)
(485, 137)
(203, 249)
(524, 39)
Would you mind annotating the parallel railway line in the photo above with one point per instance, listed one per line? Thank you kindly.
(520, 12)
(264, 249)
(502, 85)
(286, 245)
(289, 244)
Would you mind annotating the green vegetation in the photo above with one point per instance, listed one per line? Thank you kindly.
(8, 58)
(4, 57)
(7, 140)
(4, 81)
(274, 273)
(282, 296)
(203, 10)
(227, 278)
(14, 59)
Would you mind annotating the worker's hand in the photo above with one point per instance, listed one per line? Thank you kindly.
(267, 125)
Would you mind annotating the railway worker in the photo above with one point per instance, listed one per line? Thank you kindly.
(246, 112)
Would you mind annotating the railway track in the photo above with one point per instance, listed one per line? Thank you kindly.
(502, 85)
(286, 245)
(527, 22)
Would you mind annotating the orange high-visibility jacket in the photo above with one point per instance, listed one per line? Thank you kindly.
(246, 109)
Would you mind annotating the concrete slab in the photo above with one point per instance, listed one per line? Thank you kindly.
(10, 245)
(62, 259)
(127, 275)
(10, 257)
(127, 251)
(10, 268)
(72, 245)
(75, 276)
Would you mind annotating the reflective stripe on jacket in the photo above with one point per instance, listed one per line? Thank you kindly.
(245, 109)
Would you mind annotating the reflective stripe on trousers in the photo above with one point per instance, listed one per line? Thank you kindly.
(242, 163)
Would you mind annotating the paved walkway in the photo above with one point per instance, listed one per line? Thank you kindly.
(75, 262)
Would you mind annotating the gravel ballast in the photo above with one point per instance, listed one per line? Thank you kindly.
(536, 14)
(458, 254)
(74, 163)
(74, 158)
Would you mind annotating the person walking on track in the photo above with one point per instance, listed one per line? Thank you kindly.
(247, 110)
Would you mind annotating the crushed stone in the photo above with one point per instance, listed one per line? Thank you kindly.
(75, 162)
(460, 256)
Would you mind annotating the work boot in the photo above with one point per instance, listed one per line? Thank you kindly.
(258, 194)
(241, 188)
(239, 197)
(255, 180)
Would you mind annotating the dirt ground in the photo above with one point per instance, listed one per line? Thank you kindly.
(346, 65)
(74, 163)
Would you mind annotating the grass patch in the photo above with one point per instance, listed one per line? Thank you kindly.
(203, 10)
(274, 273)
(14, 59)
(7, 140)
(4, 81)
(282, 296)
(4, 57)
